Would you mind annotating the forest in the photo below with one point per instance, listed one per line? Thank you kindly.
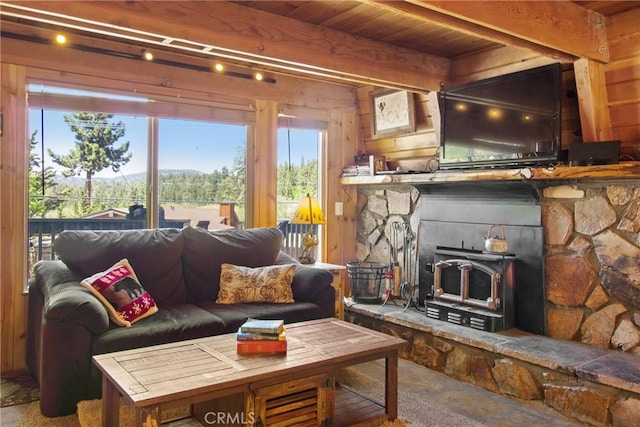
(185, 188)
(75, 192)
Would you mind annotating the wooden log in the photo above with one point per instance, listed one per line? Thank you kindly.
(621, 170)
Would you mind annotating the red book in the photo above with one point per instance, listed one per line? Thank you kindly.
(261, 347)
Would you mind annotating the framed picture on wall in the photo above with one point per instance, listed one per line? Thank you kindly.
(392, 113)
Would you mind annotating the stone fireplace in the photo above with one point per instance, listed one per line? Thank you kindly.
(590, 255)
(586, 361)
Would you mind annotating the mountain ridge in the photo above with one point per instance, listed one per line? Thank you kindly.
(129, 178)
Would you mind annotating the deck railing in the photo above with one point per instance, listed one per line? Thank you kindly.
(43, 231)
(293, 234)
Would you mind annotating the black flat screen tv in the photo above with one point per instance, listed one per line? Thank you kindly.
(507, 121)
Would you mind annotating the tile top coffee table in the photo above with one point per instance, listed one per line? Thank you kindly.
(297, 385)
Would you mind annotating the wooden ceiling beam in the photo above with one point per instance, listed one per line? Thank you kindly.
(595, 120)
(469, 28)
(560, 26)
(262, 38)
(147, 79)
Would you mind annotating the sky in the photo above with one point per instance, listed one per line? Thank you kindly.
(195, 145)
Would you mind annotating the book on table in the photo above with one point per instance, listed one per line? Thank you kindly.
(261, 347)
(257, 336)
(262, 326)
(253, 336)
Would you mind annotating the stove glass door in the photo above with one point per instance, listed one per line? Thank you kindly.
(467, 282)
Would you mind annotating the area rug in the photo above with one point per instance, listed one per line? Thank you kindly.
(18, 390)
(90, 415)
(32, 417)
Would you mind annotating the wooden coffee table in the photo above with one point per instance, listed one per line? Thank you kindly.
(297, 387)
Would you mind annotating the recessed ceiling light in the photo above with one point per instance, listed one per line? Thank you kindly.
(258, 76)
(61, 39)
(147, 55)
(219, 67)
(494, 113)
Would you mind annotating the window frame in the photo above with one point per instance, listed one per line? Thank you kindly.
(152, 109)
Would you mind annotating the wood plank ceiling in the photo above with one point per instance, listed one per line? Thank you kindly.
(372, 21)
(402, 24)
(426, 35)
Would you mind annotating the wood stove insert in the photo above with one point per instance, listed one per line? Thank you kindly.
(505, 290)
(473, 288)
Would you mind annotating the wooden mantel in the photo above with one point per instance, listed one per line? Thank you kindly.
(623, 170)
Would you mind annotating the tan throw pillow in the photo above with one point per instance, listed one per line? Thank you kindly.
(120, 291)
(262, 284)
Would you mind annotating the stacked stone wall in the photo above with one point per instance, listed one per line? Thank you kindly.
(592, 236)
(378, 208)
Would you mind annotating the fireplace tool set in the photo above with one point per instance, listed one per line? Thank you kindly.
(400, 279)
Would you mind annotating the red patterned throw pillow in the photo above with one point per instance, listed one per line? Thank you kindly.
(262, 284)
(120, 291)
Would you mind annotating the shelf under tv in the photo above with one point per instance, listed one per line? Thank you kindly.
(622, 170)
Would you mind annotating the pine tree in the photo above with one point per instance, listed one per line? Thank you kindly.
(42, 196)
(94, 149)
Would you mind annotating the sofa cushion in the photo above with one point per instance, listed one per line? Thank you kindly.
(309, 282)
(155, 253)
(206, 251)
(234, 315)
(120, 291)
(170, 324)
(261, 284)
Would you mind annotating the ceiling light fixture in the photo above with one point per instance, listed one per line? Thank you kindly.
(258, 76)
(60, 39)
(147, 55)
(129, 55)
(494, 113)
(219, 67)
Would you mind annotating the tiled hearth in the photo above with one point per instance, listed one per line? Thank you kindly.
(592, 385)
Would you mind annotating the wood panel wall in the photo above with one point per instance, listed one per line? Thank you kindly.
(622, 76)
(408, 151)
(13, 241)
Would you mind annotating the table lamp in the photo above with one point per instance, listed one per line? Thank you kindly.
(308, 212)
